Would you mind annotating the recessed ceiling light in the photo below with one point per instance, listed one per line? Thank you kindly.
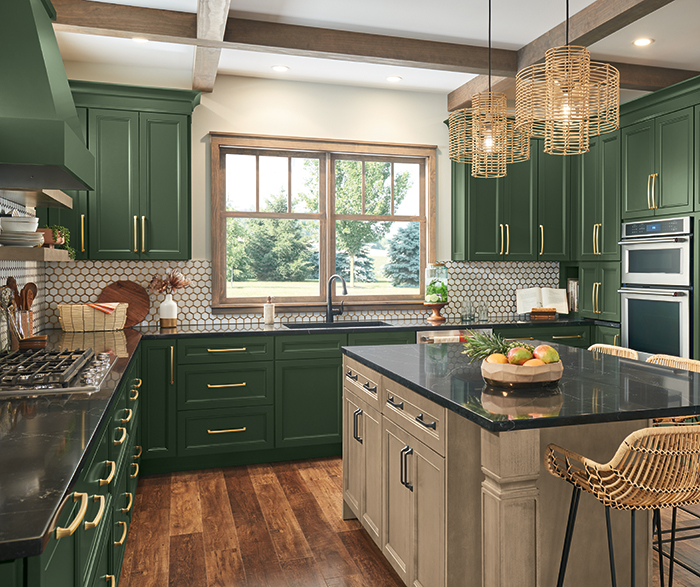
(280, 68)
(643, 42)
(393, 79)
(139, 39)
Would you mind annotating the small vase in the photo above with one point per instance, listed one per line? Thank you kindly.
(168, 312)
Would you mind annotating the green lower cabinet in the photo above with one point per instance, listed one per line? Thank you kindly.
(102, 569)
(598, 291)
(157, 398)
(578, 336)
(377, 338)
(202, 432)
(12, 573)
(308, 402)
(607, 335)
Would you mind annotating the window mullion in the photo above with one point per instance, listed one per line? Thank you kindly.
(289, 184)
(363, 187)
(328, 247)
(257, 183)
(392, 188)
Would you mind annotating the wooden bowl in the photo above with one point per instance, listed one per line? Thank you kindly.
(519, 376)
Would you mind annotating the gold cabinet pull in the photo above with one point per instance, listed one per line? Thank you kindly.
(615, 339)
(595, 228)
(131, 502)
(123, 438)
(82, 233)
(140, 452)
(541, 239)
(507, 239)
(123, 538)
(110, 579)
(136, 473)
(653, 190)
(571, 336)
(226, 350)
(597, 239)
(649, 192)
(134, 395)
(139, 384)
(63, 532)
(225, 431)
(136, 234)
(128, 418)
(597, 298)
(210, 386)
(172, 368)
(143, 234)
(501, 239)
(593, 296)
(98, 517)
(107, 481)
(523, 338)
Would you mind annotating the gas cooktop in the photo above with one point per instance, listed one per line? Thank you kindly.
(38, 371)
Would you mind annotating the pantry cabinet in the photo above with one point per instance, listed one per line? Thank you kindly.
(657, 166)
(158, 399)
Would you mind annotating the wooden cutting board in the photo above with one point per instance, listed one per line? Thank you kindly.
(130, 293)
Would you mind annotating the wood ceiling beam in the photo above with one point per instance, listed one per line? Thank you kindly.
(211, 25)
(462, 96)
(646, 77)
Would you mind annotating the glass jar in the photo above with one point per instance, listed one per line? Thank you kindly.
(436, 283)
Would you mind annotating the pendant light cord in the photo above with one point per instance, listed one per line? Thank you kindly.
(567, 22)
(490, 44)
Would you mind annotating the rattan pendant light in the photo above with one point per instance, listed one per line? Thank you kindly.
(484, 135)
(567, 99)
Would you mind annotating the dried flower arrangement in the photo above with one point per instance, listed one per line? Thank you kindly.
(171, 281)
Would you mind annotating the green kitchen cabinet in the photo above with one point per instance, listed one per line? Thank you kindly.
(574, 335)
(696, 170)
(158, 399)
(553, 205)
(606, 335)
(460, 177)
(657, 166)
(598, 291)
(596, 217)
(12, 573)
(377, 338)
(483, 223)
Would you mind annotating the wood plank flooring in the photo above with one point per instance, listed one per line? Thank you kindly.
(276, 525)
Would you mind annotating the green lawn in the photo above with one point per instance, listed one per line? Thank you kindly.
(250, 289)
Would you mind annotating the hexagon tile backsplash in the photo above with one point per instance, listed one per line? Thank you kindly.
(82, 281)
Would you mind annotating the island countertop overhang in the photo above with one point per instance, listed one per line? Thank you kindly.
(595, 388)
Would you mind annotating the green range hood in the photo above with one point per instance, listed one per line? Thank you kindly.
(41, 141)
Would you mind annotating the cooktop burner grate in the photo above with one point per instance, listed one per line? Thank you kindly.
(39, 367)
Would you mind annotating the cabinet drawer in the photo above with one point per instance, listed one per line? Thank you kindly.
(230, 430)
(420, 417)
(309, 346)
(579, 336)
(118, 432)
(225, 349)
(362, 381)
(224, 386)
(376, 338)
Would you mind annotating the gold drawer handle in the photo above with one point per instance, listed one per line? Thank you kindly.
(82, 233)
(98, 517)
(123, 538)
(107, 481)
(224, 431)
(136, 473)
(134, 395)
(131, 502)
(110, 579)
(63, 532)
(615, 339)
(140, 452)
(226, 350)
(122, 439)
(577, 336)
(210, 386)
(143, 234)
(140, 382)
(128, 418)
(522, 338)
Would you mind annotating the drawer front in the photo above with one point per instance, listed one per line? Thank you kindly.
(363, 382)
(579, 336)
(419, 416)
(225, 386)
(309, 346)
(118, 433)
(230, 430)
(225, 349)
(376, 338)
(101, 569)
(120, 525)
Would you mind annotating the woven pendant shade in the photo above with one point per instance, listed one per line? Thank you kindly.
(567, 100)
(489, 127)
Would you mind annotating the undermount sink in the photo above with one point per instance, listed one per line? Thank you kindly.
(346, 324)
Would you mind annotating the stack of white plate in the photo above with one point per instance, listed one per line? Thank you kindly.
(20, 232)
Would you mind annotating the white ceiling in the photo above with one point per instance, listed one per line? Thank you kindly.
(515, 23)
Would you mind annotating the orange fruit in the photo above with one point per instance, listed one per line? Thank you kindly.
(496, 358)
(533, 363)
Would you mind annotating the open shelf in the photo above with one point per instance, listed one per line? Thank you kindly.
(33, 254)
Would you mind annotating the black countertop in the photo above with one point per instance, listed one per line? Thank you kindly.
(43, 446)
(594, 388)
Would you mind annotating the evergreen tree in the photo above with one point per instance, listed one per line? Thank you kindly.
(403, 267)
(237, 266)
(364, 266)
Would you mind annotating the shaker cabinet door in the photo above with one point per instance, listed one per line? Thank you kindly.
(637, 170)
(673, 192)
(553, 207)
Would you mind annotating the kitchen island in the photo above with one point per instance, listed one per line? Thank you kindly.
(464, 462)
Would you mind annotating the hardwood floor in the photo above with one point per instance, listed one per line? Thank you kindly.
(276, 525)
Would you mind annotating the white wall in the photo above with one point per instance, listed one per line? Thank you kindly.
(286, 108)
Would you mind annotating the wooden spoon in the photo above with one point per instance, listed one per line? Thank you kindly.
(12, 284)
(32, 290)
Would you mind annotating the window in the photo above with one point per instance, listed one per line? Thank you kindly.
(288, 213)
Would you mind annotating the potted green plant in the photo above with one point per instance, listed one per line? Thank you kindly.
(57, 237)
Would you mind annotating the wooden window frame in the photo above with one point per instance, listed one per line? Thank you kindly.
(328, 150)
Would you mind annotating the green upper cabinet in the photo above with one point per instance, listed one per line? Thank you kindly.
(484, 215)
(697, 158)
(657, 166)
(460, 178)
(598, 291)
(553, 205)
(596, 186)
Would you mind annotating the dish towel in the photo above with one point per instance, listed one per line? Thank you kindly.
(106, 307)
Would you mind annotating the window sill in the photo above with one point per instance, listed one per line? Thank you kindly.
(355, 306)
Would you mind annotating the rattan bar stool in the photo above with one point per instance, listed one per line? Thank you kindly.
(675, 362)
(653, 468)
(617, 351)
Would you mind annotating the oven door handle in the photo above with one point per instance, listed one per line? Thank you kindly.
(644, 241)
(655, 292)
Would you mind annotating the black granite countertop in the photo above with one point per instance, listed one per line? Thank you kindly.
(510, 320)
(43, 446)
(594, 388)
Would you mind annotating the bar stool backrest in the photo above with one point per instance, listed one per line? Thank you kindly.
(675, 362)
(617, 351)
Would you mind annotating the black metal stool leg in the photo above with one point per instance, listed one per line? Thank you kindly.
(673, 548)
(633, 557)
(657, 523)
(610, 547)
(575, 495)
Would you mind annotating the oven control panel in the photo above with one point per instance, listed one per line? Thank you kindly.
(665, 227)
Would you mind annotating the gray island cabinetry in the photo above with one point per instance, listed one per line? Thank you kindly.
(446, 473)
